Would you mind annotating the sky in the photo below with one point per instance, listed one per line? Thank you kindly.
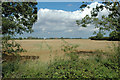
(58, 19)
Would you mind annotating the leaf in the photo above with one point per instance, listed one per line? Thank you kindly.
(83, 5)
(84, 25)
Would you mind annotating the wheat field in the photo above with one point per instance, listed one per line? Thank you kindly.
(52, 47)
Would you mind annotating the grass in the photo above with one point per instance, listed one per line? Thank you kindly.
(26, 69)
(97, 64)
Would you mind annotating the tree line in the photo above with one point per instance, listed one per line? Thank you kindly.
(100, 36)
(20, 38)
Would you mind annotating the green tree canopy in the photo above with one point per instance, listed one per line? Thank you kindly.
(106, 23)
(17, 18)
(99, 35)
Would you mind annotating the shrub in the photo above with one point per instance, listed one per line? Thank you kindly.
(9, 68)
(20, 38)
(70, 50)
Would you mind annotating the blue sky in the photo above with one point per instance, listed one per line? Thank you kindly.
(67, 6)
(58, 19)
(69, 0)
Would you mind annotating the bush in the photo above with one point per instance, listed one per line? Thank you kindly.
(20, 38)
(103, 38)
(80, 69)
(10, 68)
(24, 69)
(70, 50)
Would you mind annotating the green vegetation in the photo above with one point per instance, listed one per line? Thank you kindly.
(110, 23)
(113, 36)
(98, 65)
(13, 23)
(10, 47)
(103, 38)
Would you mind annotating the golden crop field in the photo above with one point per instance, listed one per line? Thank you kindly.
(46, 48)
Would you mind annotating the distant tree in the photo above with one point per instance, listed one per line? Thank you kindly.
(106, 23)
(24, 38)
(99, 35)
(29, 37)
(61, 37)
(17, 18)
(113, 35)
(20, 38)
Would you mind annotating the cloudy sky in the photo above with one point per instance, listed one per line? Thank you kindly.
(58, 19)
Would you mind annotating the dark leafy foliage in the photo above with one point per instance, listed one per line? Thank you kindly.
(17, 18)
(11, 47)
(106, 23)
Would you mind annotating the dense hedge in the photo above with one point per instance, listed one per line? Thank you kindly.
(104, 38)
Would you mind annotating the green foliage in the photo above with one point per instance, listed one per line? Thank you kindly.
(70, 50)
(24, 69)
(90, 68)
(99, 35)
(29, 37)
(114, 36)
(103, 38)
(11, 47)
(17, 18)
(9, 68)
(20, 38)
(84, 5)
(106, 23)
(95, 67)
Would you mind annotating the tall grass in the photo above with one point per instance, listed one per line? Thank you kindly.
(24, 69)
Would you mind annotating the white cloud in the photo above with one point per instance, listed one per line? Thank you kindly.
(43, 29)
(82, 28)
(69, 30)
(62, 23)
